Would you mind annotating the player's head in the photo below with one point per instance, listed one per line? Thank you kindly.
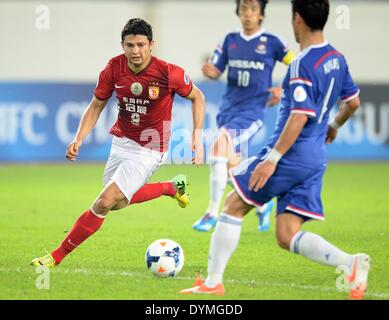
(311, 15)
(137, 41)
(251, 12)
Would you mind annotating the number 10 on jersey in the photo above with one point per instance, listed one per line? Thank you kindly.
(243, 78)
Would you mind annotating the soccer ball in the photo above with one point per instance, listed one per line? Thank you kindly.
(164, 258)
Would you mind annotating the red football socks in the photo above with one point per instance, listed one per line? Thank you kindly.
(154, 190)
(86, 225)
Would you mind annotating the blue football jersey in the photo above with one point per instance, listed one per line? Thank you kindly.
(315, 80)
(250, 61)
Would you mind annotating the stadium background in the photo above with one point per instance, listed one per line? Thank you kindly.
(51, 57)
(51, 53)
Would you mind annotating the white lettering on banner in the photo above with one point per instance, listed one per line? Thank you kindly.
(76, 110)
(370, 124)
(9, 123)
(67, 109)
(39, 110)
(377, 127)
(16, 118)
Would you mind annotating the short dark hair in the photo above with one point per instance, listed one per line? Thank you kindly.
(314, 12)
(262, 4)
(137, 26)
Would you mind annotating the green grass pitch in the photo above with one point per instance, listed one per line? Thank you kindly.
(39, 201)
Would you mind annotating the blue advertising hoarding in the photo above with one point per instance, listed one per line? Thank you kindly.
(38, 120)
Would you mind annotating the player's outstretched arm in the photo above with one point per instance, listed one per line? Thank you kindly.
(345, 112)
(210, 71)
(288, 137)
(198, 111)
(87, 123)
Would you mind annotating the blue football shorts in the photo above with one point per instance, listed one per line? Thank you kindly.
(298, 190)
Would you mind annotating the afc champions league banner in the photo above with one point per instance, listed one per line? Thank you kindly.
(38, 120)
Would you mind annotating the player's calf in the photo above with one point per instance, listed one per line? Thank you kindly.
(287, 227)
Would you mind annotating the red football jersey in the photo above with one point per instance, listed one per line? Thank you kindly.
(145, 99)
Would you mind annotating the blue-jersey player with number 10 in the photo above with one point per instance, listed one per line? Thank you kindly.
(292, 165)
(250, 56)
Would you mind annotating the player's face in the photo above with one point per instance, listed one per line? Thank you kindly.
(250, 14)
(137, 49)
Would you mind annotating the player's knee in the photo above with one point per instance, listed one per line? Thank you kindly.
(285, 236)
(287, 226)
(104, 204)
(235, 206)
(283, 240)
(120, 205)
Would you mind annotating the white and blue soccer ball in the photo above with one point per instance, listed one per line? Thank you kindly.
(164, 258)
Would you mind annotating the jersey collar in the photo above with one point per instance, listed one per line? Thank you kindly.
(253, 36)
(314, 46)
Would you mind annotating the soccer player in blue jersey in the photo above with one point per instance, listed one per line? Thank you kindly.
(292, 165)
(250, 55)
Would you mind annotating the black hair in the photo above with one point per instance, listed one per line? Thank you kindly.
(262, 4)
(137, 26)
(314, 12)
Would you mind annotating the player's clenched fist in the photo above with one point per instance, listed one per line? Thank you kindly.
(331, 135)
(72, 150)
(210, 71)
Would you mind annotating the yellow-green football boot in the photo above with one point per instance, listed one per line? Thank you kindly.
(46, 260)
(182, 197)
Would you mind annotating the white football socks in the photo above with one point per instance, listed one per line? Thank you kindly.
(317, 249)
(217, 184)
(263, 208)
(224, 241)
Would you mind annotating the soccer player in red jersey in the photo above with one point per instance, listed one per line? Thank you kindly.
(145, 87)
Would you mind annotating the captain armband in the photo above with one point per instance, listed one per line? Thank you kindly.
(289, 57)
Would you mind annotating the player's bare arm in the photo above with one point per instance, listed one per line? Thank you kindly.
(276, 92)
(210, 71)
(345, 112)
(198, 110)
(289, 135)
(87, 123)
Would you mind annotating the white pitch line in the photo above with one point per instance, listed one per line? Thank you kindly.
(382, 295)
